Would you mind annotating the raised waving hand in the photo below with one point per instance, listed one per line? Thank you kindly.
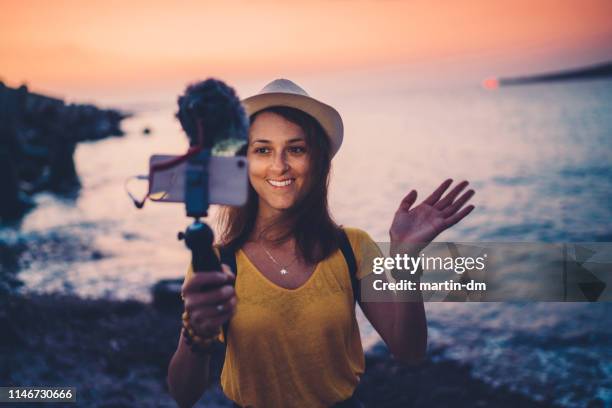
(418, 226)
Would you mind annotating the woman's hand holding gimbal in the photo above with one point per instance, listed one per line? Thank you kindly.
(210, 300)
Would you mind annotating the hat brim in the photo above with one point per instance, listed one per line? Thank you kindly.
(328, 117)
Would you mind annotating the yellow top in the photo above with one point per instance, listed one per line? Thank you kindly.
(296, 347)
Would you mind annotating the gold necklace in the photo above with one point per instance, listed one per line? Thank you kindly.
(283, 270)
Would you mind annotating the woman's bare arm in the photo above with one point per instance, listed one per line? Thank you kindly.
(210, 301)
(187, 375)
(403, 324)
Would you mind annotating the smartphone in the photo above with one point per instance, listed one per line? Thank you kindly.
(228, 181)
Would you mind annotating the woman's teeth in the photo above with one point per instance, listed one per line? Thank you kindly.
(281, 183)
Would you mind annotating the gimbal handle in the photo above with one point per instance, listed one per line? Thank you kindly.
(199, 239)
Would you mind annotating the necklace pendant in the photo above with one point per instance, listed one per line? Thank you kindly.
(283, 271)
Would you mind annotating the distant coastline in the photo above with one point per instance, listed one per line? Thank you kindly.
(603, 70)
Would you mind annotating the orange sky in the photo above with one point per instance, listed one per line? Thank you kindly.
(70, 45)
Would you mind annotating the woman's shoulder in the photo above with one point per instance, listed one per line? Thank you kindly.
(364, 248)
(356, 234)
(358, 237)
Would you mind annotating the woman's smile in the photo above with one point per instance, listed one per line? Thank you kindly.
(281, 183)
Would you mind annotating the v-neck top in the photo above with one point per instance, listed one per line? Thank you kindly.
(296, 347)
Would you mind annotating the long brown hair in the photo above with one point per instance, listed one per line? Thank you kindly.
(308, 220)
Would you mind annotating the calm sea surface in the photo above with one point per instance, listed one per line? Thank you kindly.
(539, 157)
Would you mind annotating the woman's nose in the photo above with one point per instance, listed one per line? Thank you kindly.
(280, 163)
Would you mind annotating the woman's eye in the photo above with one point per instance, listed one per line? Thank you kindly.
(262, 150)
(297, 149)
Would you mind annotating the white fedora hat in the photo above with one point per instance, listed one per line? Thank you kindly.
(282, 92)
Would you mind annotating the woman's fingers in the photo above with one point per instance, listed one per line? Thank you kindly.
(408, 200)
(435, 196)
(206, 319)
(226, 269)
(203, 280)
(213, 315)
(446, 201)
(208, 325)
(218, 310)
(456, 206)
(209, 297)
(228, 306)
(452, 220)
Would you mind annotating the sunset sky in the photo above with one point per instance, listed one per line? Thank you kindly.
(76, 47)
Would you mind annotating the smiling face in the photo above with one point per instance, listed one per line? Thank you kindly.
(278, 162)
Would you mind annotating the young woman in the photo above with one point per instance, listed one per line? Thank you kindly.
(293, 339)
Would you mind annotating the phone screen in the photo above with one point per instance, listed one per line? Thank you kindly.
(228, 181)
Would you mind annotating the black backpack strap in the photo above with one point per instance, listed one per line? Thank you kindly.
(349, 257)
(228, 257)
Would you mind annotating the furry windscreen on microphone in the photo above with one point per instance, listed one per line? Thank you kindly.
(223, 120)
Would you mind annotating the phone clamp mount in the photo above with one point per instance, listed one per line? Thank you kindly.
(198, 236)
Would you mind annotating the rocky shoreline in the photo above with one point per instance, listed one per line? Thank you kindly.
(38, 137)
(116, 354)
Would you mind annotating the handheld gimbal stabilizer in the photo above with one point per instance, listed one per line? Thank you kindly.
(213, 118)
(210, 114)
